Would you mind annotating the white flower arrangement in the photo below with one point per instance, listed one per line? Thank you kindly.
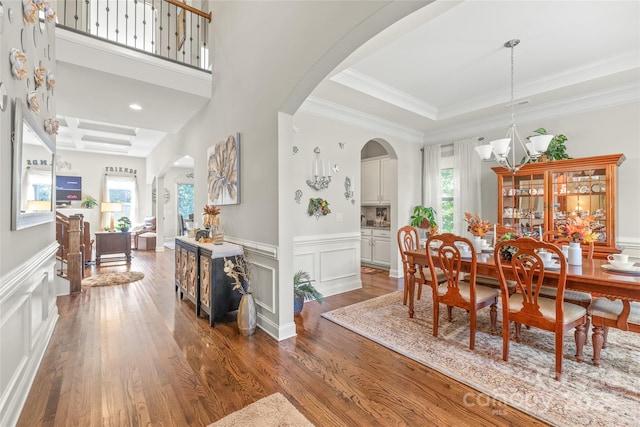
(238, 271)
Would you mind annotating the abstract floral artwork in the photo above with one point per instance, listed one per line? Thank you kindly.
(223, 164)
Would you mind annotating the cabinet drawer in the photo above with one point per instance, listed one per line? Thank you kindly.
(382, 233)
(365, 232)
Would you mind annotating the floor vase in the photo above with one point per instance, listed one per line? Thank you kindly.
(247, 315)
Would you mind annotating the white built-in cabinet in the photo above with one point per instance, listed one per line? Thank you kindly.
(375, 246)
(377, 181)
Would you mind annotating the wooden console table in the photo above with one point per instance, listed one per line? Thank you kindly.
(107, 243)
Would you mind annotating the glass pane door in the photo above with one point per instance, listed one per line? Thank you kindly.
(523, 203)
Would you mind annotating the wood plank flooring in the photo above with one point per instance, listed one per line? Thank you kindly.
(136, 354)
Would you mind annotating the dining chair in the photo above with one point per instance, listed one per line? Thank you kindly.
(408, 240)
(465, 294)
(490, 281)
(582, 299)
(528, 307)
(605, 313)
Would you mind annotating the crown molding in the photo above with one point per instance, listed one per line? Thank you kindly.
(352, 117)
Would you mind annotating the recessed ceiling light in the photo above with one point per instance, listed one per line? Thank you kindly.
(136, 107)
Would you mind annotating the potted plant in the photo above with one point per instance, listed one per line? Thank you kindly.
(303, 289)
(556, 150)
(88, 202)
(124, 223)
(425, 218)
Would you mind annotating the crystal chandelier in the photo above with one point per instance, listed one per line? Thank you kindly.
(500, 148)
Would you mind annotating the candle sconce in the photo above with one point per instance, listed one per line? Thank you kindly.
(348, 189)
(320, 172)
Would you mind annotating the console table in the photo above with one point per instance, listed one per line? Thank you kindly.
(200, 276)
(118, 242)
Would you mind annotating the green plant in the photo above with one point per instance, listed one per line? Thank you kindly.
(124, 223)
(557, 149)
(424, 217)
(303, 288)
(88, 202)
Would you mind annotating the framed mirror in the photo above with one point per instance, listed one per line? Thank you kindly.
(32, 175)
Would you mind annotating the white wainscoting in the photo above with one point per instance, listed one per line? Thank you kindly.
(631, 248)
(28, 315)
(332, 260)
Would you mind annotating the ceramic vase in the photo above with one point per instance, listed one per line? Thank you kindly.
(247, 315)
(298, 304)
(477, 243)
(575, 254)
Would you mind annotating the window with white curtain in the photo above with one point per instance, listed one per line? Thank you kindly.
(123, 189)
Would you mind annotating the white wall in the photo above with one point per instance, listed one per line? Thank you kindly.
(272, 68)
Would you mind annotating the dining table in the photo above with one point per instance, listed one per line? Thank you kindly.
(589, 277)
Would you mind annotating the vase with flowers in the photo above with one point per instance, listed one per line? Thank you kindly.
(240, 273)
(210, 216)
(478, 228)
(579, 230)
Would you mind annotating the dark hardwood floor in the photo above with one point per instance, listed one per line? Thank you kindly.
(136, 354)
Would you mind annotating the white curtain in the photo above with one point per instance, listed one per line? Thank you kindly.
(466, 177)
(432, 189)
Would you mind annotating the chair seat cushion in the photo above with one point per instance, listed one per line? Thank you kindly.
(483, 293)
(574, 296)
(147, 235)
(427, 273)
(604, 307)
(492, 282)
(572, 312)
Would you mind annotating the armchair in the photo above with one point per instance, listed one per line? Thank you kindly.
(148, 227)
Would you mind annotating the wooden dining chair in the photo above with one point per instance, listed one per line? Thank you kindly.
(528, 307)
(582, 299)
(457, 292)
(605, 313)
(408, 240)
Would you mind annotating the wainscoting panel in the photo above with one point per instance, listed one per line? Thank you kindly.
(332, 260)
(28, 314)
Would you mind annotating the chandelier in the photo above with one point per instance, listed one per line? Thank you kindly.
(499, 149)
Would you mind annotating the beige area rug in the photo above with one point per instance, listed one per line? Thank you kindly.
(110, 279)
(586, 396)
(271, 411)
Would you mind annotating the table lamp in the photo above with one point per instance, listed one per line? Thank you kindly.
(111, 207)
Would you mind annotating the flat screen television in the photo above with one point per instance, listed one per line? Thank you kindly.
(68, 189)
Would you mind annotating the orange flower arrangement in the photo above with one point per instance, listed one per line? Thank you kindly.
(579, 229)
(211, 210)
(477, 226)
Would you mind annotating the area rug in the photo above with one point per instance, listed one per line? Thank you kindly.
(271, 411)
(110, 279)
(586, 395)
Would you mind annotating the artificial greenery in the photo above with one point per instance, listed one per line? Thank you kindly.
(557, 149)
(302, 287)
(88, 202)
(124, 223)
(424, 217)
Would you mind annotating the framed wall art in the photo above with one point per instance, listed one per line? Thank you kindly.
(223, 166)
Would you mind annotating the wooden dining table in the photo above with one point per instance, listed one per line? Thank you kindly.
(589, 277)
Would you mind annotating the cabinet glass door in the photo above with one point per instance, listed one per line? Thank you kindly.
(580, 193)
(523, 204)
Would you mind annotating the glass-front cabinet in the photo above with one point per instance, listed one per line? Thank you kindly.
(542, 196)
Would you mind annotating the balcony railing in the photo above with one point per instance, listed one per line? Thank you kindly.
(168, 29)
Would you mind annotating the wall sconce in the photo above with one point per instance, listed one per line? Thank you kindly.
(111, 207)
(348, 188)
(320, 172)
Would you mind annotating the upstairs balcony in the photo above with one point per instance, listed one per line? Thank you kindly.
(110, 53)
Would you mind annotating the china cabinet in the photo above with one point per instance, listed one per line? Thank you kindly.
(541, 196)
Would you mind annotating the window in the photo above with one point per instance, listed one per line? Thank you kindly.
(123, 189)
(185, 200)
(447, 200)
(446, 189)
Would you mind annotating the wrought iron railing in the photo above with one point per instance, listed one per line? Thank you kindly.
(169, 29)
